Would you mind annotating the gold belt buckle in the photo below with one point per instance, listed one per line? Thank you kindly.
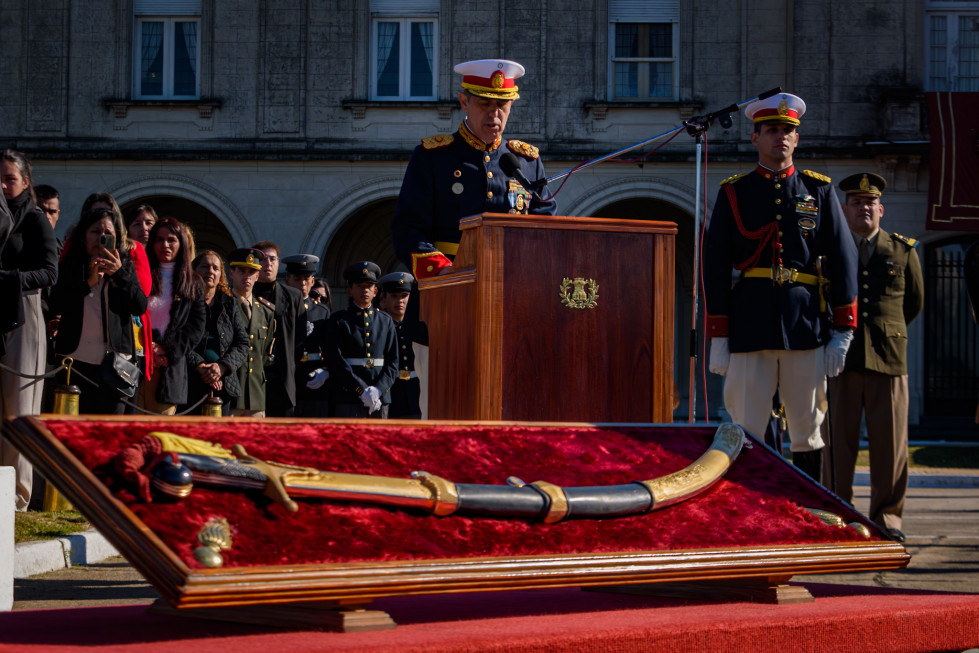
(369, 363)
(404, 375)
(781, 274)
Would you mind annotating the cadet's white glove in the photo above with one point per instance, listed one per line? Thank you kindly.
(376, 407)
(836, 350)
(371, 398)
(720, 355)
(317, 378)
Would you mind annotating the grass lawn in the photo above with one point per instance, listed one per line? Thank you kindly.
(932, 456)
(47, 525)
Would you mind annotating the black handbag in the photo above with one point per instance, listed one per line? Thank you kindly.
(120, 374)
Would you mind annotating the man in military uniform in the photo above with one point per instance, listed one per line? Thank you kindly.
(451, 176)
(783, 234)
(259, 316)
(406, 391)
(311, 373)
(875, 377)
(281, 399)
(363, 355)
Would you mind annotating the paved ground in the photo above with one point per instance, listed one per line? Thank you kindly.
(942, 526)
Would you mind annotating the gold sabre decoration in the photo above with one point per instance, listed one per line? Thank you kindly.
(574, 295)
(214, 537)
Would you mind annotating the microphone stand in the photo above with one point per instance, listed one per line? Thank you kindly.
(696, 127)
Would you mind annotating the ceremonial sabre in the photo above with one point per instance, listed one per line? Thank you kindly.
(182, 462)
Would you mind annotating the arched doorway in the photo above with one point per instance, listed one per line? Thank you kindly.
(364, 236)
(647, 208)
(209, 231)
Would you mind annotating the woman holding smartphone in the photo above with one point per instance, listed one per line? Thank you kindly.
(178, 315)
(97, 296)
(28, 263)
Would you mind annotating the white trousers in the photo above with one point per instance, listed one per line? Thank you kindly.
(799, 377)
(26, 353)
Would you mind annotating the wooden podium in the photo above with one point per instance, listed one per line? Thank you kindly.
(553, 319)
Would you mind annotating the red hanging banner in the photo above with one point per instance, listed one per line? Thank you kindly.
(953, 194)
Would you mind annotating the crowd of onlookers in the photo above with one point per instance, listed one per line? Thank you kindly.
(128, 311)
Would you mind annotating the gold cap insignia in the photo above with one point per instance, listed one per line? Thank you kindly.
(250, 259)
(783, 108)
(364, 271)
(497, 79)
(865, 183)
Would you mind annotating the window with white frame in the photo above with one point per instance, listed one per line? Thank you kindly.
(952, 37)
(404, 48)
(166, 49)
(643, 48)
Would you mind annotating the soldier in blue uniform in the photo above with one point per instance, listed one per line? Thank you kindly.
(363, 355)
(786, 318)
(311, 342)
(406, 391)
(452, 176)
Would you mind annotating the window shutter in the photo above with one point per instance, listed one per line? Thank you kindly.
(644, 11)
(167, 7)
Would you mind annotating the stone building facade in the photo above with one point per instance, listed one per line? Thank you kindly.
(293, 119)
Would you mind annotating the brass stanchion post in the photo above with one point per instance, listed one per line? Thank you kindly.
(66, 398)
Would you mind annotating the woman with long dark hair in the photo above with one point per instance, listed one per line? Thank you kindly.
(177, 312)
(28, 264)
(97, 296)
(224, 347)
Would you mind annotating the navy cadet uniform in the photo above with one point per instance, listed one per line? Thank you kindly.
(406, 391)
(363, 352)
(311, 345)
(452, 176)
(259, 317)
(875, 376)
(782, 235)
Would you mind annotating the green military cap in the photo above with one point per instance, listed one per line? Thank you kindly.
(864, 183)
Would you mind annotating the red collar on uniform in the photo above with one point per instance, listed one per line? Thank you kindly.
(771, 174)
(475, 141)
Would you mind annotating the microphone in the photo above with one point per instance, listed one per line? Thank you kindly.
(510, 165)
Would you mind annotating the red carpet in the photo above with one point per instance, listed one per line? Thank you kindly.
(843, 618)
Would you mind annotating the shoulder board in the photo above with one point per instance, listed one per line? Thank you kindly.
(910, 242)
(526, 150)
(816, 175)
(437, 141)
(733, 178)
(266, 303)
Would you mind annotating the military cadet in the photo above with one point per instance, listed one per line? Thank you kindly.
(782, 232)
(281, 400)
(311, 372)
(363, 355)
(451, 176)
(259, 316)
(406, 391)
(875, 377)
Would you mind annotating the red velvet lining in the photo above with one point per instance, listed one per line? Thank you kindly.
(758, 503)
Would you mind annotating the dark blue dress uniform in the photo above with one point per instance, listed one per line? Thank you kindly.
(313, 347)
(452, 176)
(769, 224)
(363, 351)
(406, 391)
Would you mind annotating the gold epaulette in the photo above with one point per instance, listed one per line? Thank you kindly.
(526, 150)
(910, 242)
(266, 303)
(733, 178)
(816, 175)
(437, 141)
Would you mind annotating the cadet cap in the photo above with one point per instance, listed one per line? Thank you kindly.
(863, 183)
(780, 108)
(361, 271)
(302, 264)
(246, 257)
(396, 282)
(491, 78)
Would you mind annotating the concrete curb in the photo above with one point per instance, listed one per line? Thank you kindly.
(927, 480)
(85, 548)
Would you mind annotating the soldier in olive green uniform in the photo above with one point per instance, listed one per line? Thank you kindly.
(875, 375)
(259, 316)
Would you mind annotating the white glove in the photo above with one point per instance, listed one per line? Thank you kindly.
(317, 378)
(376, 407)
(720, 355)
(836, 350)
(370, 397)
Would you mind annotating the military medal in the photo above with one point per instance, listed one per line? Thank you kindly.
(806, 205)
(518, 196)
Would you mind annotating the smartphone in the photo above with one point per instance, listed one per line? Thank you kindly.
(107, 241)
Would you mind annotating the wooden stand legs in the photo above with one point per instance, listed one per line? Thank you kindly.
(324, 615)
